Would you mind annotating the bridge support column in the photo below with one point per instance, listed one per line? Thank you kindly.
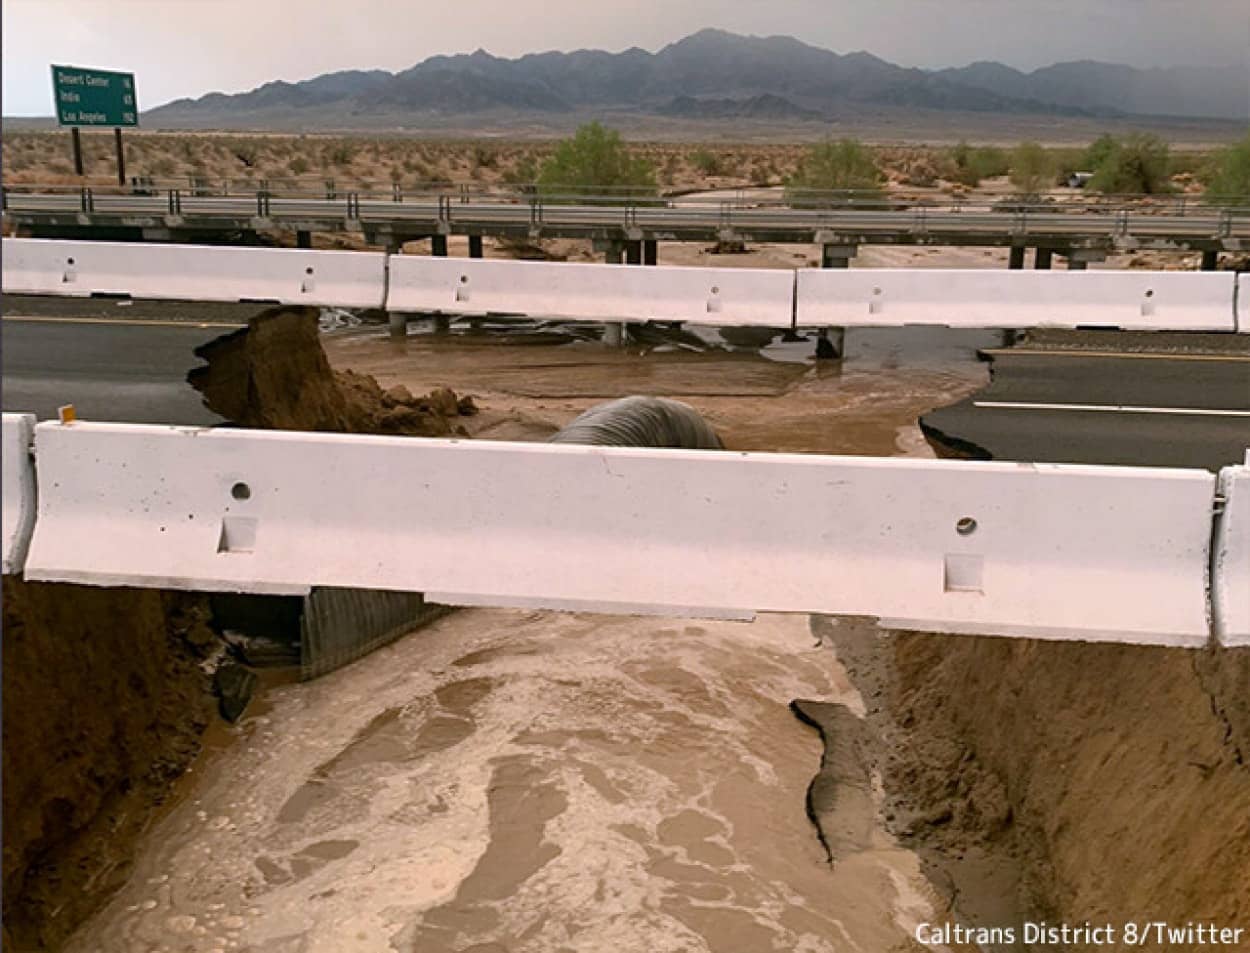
(1043, 259)
(614, 333)
(1079, 258)
(438, 245)
(633, 253)
(613, 253)
(1015, 258)
(837, 256)
(303, 239)
(830, 344)
(1210, 258)
(475, 246)
(397, 321)
(442, 323)
(650, 251)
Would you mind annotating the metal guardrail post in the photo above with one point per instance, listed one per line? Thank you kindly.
(444, 208)
(397, 193)
(175, 202)
(262, 203)
(87, 200)
(1226, 223)
(464, 195)
(536, 210)
(1121, 222)
(724, 216)
(353, 205)
(331, 193)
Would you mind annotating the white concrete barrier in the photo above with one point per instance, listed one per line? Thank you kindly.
(1230, 562)
(1076, 552)
(194, 272)
(1131, 300)
(17, 488)
(715, 296)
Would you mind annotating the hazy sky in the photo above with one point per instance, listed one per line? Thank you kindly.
(190, 47)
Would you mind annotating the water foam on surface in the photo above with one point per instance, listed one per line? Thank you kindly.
(528, 782)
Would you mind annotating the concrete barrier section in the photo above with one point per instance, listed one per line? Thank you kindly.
(1230, 562)
(715, 296)
(1131, 300)
(194, 272)
(18, 489)
(1075, 552)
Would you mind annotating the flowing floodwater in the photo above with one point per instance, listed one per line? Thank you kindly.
(527, 781)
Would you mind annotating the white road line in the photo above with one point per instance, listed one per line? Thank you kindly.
(1112, 408)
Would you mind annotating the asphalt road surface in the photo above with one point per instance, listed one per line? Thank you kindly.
(130, 371)
(1104, 406)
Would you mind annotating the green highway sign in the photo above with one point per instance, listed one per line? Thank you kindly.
(94, 97)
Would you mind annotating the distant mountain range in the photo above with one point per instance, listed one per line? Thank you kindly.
(715, 75)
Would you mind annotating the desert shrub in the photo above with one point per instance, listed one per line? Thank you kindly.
(705, 162)
(596, 160)
(1032, 168)
(971, 165)
(1137, 165)
(830, 166)
(298, 165)
(1230, 177)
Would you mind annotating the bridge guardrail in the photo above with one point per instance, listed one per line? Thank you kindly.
(18, 484)
(195, 272)
(1049, 551)
(716, 296)
(1130, 300)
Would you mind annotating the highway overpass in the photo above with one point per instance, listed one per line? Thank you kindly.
(1081, 231)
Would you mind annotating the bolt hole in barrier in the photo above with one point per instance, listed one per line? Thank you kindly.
(966, 526)
(241, 491)
(1116, 554)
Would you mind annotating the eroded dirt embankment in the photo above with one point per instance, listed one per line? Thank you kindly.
(1117, 775)
(274, 375)
(104, 703)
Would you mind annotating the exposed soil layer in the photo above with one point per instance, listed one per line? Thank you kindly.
(104, 704)
(1113, 778)
(274, 374)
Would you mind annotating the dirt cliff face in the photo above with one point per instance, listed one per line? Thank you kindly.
(274, 375)
(104, 704)
(1118, 774)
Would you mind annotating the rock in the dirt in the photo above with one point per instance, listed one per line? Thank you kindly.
(444, 402)
(466, 406)
(399, 394)
(234, 686)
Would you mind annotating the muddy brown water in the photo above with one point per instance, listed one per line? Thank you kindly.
(535, 781)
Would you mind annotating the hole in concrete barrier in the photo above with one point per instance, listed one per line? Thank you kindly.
(238, 535)
(966, 526)
(308, 270)
(963, 573)
(241, 491)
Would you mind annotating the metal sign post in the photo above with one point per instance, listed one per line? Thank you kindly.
(92, 97)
